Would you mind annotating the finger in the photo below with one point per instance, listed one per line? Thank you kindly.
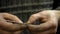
(12, 17)
(11, 21)
(37, 16)
(32, 19)
(10, 26)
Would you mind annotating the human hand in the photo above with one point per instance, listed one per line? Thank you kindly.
(49, 21)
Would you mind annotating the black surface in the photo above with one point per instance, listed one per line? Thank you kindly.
(56, 4)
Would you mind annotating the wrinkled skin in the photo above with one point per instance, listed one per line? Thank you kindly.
(10, 24)
(49, 19)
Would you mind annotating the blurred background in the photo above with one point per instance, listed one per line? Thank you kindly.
(24, 8)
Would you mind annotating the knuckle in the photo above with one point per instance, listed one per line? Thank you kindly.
(34, 15)
(5, 13)
(14, 15)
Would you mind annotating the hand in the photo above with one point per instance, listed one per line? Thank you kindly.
(10, 22)
(48, 18)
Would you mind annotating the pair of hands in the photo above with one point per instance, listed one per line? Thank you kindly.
(13, 23)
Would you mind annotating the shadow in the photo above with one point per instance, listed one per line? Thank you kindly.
(56, 4)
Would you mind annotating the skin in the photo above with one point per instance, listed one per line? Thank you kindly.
(10, 24)
(49, 19)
